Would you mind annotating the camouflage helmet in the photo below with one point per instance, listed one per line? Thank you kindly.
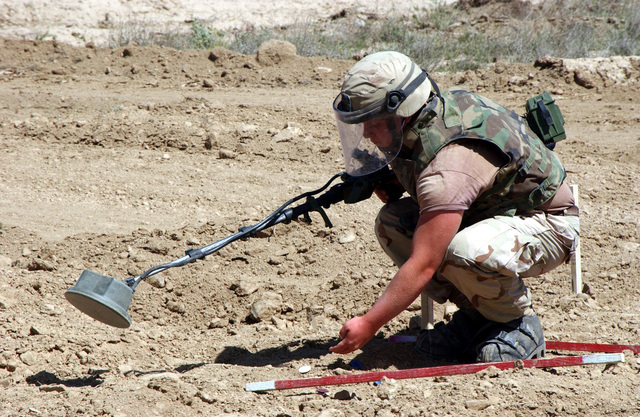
(388, 80)
(377, 94)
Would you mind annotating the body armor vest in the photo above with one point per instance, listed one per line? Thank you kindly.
(531, 176)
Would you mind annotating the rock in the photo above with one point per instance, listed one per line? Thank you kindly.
(156, 281)
(211, 142)
(26, 251)
(219, 54)
(583, 78)
(40, 265)
(11, 365)
(83, 356)
(217, 323)
(210, 399)
(226, 154)
(387, 388)
(490, 372)
(287, 134)
(517, 80)
(347, 237)
(207, 84)
(449, 309)
(477, 405)
(343, 395)
(548, 62)
(279, 323)
(304, 369)
(275, 51)
(49, 310)
(176, 307)
(243, 288)
(247, 130)
(53, 388)
(266, 306)
(28, 358)
(4, 303)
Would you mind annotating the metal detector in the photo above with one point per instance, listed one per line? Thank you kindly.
(107, 299)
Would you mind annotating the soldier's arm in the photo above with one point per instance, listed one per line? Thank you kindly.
(432, 236)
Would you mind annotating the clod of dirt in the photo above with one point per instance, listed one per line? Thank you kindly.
(583, 79)
(275, 51)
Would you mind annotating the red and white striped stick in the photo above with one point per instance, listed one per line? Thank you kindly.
(554, 345)
(590, 347)
(433, 371)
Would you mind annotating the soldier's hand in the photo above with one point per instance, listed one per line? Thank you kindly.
(389, 192)
(355, 333)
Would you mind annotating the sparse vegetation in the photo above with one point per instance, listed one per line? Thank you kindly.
(463, 36)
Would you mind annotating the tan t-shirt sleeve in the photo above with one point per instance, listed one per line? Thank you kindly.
(458, 174)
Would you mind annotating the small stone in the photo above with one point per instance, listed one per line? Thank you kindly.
(342, 395)
(243, 288)
(387, 388)
(348, 237)
(583, 78)
(49, 310)
(40, 265)
(12, 365)
(209, 399)
(226, 154)
(279, 323)
(477, 405)
(489, 372)
(217, 323)
(28, 358)
(53, 388)
(288, 133)
(449, 309)
(26, 252)
(304, 369)
(83, 356)
(207, 84)
(175, 307)
(156, 281)
(265, 306)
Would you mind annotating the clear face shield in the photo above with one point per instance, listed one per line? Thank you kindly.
(371, 137)
(369, 146)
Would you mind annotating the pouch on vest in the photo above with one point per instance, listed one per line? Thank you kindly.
(545, 119)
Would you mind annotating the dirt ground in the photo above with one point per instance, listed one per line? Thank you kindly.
(117, 160)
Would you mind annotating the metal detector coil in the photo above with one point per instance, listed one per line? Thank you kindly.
(101, 297)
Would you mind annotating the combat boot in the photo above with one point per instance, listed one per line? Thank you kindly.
(470, 337)
(518, 339)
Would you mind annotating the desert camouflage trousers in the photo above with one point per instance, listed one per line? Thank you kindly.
(485, 263)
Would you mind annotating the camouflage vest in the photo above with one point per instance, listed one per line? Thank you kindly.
(530, 178)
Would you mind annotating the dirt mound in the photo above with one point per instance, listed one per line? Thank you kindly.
(116, 160)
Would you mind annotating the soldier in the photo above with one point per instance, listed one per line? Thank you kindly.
(487, 208)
